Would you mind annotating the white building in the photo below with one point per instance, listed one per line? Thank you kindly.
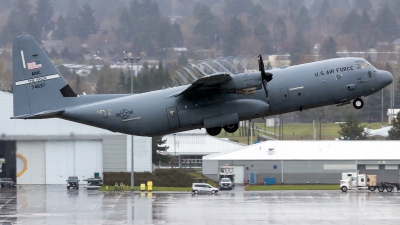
(301, 162)
(47, 151)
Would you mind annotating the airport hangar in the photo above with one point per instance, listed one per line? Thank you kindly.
(302, 162)
(47, 151)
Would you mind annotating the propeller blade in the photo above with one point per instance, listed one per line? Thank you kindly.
(265, 77)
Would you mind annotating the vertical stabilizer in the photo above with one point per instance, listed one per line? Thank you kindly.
(37, 84)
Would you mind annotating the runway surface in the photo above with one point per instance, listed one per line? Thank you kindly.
(52, 204)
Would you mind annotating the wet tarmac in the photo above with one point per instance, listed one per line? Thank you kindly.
(40, 204)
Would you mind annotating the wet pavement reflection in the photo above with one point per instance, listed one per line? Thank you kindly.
(54, 204)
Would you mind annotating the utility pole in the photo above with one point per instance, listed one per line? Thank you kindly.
(129, 59)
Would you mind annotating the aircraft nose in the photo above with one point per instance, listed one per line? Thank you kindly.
(386, 77)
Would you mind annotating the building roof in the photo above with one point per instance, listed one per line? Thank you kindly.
(313, 150)
(392, 112)
(198, 144)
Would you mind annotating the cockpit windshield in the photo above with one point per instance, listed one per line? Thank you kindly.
(362, 64)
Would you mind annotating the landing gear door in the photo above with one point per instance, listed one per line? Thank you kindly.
(285, 94)
(173, 118)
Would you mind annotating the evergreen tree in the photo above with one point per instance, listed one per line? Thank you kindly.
(300, 48)
(159, 150)
(256, 13)
(323, 9)
(263, 35)
(328, 48)
(365, 35)
(233, 35)
(303, 20)
(280, 33)
(351, 23)
(23, 8)
(236, 7)
(395, 5)
(386, 22)
(61, 32)
(363, 5)
(176, 35)
(32, 29)
(182, 60)
(44, 12)
(351, 130)
(394, 132)
(207, 27)
(13, 28)
(65, 53)
(87, 23)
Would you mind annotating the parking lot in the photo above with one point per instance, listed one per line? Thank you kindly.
(51, 204)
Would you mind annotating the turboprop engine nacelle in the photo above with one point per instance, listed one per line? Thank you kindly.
(243, 83)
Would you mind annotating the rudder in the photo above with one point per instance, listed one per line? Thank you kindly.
(37, 84)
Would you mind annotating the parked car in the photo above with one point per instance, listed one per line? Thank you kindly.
(198, 188)
(226, 183)
(72, 182)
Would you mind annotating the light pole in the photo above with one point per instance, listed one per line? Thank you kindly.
(129, 59)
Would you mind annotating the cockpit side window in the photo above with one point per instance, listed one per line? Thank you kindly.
(362, 64)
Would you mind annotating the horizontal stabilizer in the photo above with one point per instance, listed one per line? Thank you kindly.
(41, 115)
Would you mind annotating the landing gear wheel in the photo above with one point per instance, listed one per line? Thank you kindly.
(358, 103)
(344, 188)
(381, 189)
(214, 131)
(371, 188)
(389, 189)
(231, 128)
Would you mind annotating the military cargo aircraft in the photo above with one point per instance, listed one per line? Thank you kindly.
(217, 101)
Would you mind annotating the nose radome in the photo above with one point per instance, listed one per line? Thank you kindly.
(387, 77)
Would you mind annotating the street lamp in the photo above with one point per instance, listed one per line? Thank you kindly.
(129, 59)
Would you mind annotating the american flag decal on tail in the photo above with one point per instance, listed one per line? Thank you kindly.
(34, 65)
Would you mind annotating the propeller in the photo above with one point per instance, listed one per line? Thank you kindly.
(265, 77)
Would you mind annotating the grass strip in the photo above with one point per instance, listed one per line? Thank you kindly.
(293, 187)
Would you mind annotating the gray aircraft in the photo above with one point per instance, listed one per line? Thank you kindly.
(214, 102)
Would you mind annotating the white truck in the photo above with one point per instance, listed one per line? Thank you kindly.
(356, 181)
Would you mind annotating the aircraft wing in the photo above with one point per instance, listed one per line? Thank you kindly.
(207, 82)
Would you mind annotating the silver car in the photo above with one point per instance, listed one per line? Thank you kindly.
(198, 188)
(226, 183)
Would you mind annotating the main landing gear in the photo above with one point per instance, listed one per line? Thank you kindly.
(214, 131)
(358, 103)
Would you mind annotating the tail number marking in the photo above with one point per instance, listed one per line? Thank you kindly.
(38, 85)
(37, 79)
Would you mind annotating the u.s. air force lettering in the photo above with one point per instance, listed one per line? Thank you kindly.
(331, 71)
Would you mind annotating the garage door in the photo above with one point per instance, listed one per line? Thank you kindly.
(31, 167)
(239, 174)
(59, 161)
(72, 158)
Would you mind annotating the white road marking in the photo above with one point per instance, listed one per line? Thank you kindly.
(37, 79)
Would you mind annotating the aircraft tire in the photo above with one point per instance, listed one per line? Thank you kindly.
(214, 131)
(358, 103)
(231, 128)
